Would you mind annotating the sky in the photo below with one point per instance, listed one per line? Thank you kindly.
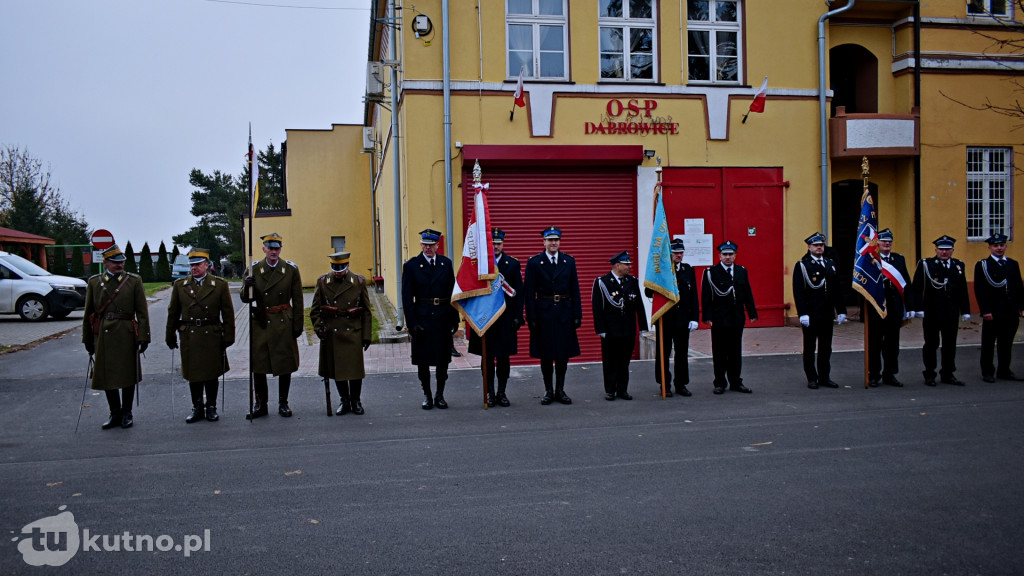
(121, 99)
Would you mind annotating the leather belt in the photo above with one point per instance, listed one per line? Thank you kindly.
(198, 322)
(275, 309)
(556, 297)
(434, 301)
(118, 316)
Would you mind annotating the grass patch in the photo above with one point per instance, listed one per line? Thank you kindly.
(154, 287)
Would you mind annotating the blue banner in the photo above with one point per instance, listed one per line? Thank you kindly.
(660, 274)
(867, 266)
(481, 311)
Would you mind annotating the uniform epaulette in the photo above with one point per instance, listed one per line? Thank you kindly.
(135, 275)
(512, 258)
(95, 276)
(292, 264)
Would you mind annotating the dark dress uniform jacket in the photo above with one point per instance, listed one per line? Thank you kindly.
(274, 349)
(822, 303)
(687, 309)
(124, 324)
(727, 310)
(341, 347)
(611, 320)
(426, 298)
(501, 336)
(944, 297)
(554, 334)
(1004, 301)
(204, 317)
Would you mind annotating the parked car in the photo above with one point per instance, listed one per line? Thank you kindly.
(33, 293)
(179, 268)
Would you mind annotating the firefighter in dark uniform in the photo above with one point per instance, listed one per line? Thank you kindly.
(677, 323)
(726, 302)
(427, 284)
(1000, 295)
(502, 341)
(201, 311)
(884, 333)
(116, 330)
(940, 289)
(618, 312)
(341, 317)
(818, 300)
(553, 312)
(277, 323)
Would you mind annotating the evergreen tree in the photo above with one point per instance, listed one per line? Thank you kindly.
(77, 263)
(175, 253)
(219, 203)
(163, 265)
(146, 264)
(129, 262)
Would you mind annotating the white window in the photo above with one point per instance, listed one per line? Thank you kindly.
(537, 38)
(627, 39)
(713, 40)
(988, 8)
(989, 193)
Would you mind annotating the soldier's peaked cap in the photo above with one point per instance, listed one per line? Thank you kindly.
(997, 238)
(885, 235)
(198, 255)
(114, 254)
(677, 245)
(729, 247)
(339, 260)
(430, 236)
(497, 235)
(816, 238)
(551, 232)
(944, 242)
(621, 258)
(272, 240)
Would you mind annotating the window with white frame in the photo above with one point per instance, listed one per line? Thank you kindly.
(713, 40)
(988, 7)
(989, 193)
(627, 39)
(536, 33)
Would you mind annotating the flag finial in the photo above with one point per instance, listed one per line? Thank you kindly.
(477, 172)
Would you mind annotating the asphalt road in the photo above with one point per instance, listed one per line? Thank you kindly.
(786, 480)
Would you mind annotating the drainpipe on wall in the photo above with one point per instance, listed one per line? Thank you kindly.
(917, 103)
(392, 55)
(447, 89)
(823, 114)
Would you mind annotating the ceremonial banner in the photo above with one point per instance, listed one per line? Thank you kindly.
(867, 265)
(478, 288)
(660, 274)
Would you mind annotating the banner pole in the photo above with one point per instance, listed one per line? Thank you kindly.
(660, 338)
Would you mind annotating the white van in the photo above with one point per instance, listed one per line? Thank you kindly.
(33, 293)
(179, 268)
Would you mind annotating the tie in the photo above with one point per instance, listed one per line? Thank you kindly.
(1001, 261)
(886, 258)
(946, 264)
(554, 260)
(432, 262)
(729, 269)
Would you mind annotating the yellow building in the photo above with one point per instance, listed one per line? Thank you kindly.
(612, 88)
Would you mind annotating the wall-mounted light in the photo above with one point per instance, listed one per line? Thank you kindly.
(421, 25)
(649, 154)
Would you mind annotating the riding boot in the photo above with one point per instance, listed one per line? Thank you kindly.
(343, 396)
(356, 388)
(114, 402)
(198, 410)
(127, 395)
(439, 397)
(424, 375)
(502, 400)
(284, 383)
(211, 400)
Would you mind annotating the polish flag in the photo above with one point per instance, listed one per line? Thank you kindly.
(519, 96)
(758, 104)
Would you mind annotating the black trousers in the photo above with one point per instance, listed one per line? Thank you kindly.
(727, 354)
(349, 389)
(558, 370)
(197, 389)
(818, 334)
(120, 401)
(936, 331)
(883, 344)
(440, 373)
(284, 384)
(504, 369)
(997, 333)
(616, 352)
(680, 338)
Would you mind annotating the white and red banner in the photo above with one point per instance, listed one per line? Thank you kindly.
(759, 99)
(478, 287)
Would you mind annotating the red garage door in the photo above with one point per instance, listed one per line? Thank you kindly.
(595, 207)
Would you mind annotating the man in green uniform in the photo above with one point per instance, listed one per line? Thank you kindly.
(341, 317)
(274, 285)
(201, 311)
(116, 330)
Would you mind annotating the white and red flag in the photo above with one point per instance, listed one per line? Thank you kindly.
(478, 286)
(759, 99)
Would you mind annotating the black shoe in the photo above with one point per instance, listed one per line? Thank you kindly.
(490, 401)
(740, 388)
(829, 384)
(428, 402)
(682, 391)
(439, 401)
(609, 396)
(503, 400)
(719, 390)
(455, 354)
(211, 414)
(284, 410)
(126, 420)
(874, 382)
(562, 397)
(257, 411)
(892, 381)
(1007, 376)
(668, 393)
(951, 380)
(990, 379)
(357, 408)
(547, 399)
(113, 421)
(929, 381)
(812, 384)
(198, 413)
(624, 395)
(343, 407)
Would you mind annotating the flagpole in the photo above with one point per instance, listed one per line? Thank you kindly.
(251, 272)
(661, 353)
(867, 315)
(484, 362)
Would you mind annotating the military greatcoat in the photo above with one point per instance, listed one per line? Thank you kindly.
(204, 317)
(279, 319)
(429, 314)
(551, 295)
(123, 324)
(342, 319)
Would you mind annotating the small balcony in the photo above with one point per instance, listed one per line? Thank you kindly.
(875, 135)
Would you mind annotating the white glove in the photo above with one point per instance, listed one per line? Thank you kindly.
(841, 318)
(908, 315)
(805, 321)
(692, 326)
(965, 317)
(602, 334)
(919, 313)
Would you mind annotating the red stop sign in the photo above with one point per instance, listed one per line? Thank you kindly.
(102, 239)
